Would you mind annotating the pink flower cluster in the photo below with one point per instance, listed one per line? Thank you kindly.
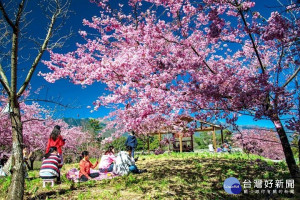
(202, 61)
(37, 127)
(261, 142)
(277, 27)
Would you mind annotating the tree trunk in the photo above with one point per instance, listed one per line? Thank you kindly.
(299, 150)
(31, 164)
(289, 156)
(16, 190)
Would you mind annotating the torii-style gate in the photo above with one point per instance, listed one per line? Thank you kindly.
(204, 126)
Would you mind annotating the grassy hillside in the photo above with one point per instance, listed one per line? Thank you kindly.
(169, 176)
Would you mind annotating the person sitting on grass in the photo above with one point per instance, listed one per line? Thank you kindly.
(107, 160)
(125, 163)
(226, 147)
(85, 167)
(50, 165)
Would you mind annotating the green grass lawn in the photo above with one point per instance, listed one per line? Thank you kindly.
(169, 176)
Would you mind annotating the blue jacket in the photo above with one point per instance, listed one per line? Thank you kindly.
(131, 141)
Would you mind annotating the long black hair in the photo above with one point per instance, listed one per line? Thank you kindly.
(109, 150)
(84, 153)
(55, 133)
(51, 150)
(128, 148)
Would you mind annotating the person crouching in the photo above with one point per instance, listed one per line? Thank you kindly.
(51, 165)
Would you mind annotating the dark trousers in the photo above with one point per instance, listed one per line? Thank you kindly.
(83, 178)
(110, 169)
(132, 152)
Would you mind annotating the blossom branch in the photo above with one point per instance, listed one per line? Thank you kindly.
(250, 35)
(195, 51)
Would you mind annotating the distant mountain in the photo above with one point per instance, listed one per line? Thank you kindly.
(77, 122)
(255, 127)
(84, 122)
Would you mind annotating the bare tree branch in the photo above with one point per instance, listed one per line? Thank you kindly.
(5, 15)
(41, 120)
(4, 80)
(53, 102)
(54, 17)
(19, 14)
(291, 77)
(61, 41)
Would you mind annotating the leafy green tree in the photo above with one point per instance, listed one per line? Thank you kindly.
(119, 144)
(143, 146)
(95, 127)
(205, 138)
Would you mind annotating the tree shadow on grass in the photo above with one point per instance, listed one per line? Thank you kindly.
(177, 178)
(200, 178)
(45, 195)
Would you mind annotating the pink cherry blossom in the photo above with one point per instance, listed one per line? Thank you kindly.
(210, 61)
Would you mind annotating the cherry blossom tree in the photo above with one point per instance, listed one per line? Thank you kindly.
(37, 126)
(261, 142)
(210, 59)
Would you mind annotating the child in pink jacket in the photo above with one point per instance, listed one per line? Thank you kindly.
(107, 160)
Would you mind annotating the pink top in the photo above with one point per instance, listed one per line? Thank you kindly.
(106, 161)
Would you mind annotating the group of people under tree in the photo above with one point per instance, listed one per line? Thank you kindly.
(225, 147)
(120, 164)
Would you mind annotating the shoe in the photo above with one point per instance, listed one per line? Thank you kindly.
(142, 171)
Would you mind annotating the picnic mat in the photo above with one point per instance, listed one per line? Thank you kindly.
(73, 175)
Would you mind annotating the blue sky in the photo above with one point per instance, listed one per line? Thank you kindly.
(76, 95)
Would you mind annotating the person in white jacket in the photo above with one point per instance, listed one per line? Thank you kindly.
(125, 163)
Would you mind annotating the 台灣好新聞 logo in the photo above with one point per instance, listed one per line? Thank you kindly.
(232, 186)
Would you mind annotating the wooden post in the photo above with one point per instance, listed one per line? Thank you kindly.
(222, 137)
(148, 144)
(159, 138)
(214, 138)
(192, 142)
(180, 143)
